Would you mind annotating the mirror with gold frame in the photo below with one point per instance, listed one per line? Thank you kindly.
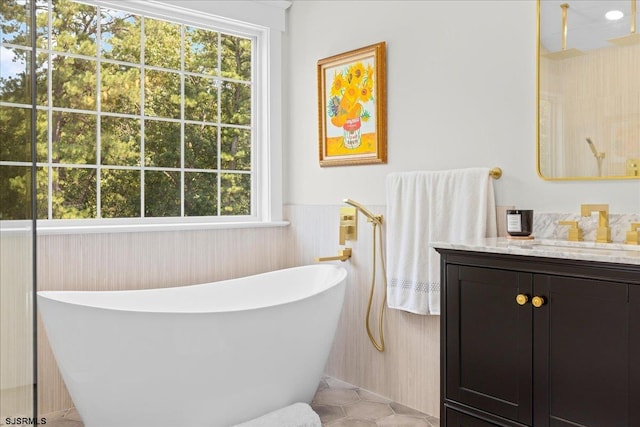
(588, 100)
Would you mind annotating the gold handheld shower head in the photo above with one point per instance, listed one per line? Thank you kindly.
(366, 212)
(594, 150)
(376, 220)
(599, 156)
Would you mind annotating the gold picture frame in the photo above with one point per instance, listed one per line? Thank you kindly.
(352, 107)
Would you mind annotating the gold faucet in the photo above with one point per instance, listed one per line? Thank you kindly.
(633, 235)
(343, 255)
(575, 233)
(603, 234)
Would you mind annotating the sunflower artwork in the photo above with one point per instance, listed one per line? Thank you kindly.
(352, 107)
(351, 96)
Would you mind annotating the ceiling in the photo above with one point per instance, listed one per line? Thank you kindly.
(587, 28)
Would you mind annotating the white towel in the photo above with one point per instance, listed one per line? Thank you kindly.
(425, 207)
(296, 415)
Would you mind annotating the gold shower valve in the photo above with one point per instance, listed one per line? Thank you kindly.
(348, 224)
(633, 167)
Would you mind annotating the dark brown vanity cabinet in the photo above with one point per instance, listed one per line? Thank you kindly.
(544, 342)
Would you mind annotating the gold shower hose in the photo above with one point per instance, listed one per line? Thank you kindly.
(380, 346)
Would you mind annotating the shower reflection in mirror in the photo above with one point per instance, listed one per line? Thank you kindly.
(588, 90)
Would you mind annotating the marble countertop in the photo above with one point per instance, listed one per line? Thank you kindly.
(547, 248)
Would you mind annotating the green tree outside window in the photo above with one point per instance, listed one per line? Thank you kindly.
(136, 116)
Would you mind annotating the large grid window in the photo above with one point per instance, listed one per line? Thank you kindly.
(136, 116)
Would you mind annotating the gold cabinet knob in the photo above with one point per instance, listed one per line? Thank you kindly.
(537, 301)
(522, 299)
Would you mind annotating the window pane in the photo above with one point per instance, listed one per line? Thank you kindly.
(74, 83)
(161, 193)
(235, 191)
(14, 23)
(201, 51)
(120, 36)
(74, 27)
(74, 193)
(120, 89)
(42, 192)
(120, 193)
(161, 43)
(73, 138)
(15, 78)
(162, 94)
(236, 103)
(236, 149)
(15, 192)
(42, 22)
(120, 141)
(236, 57)
(200, 194)
(15, 134)
(42, 76)
(15, 75)
(182, 94)
(162, 144)
(200, 146)
(200, 99)
(42, 147)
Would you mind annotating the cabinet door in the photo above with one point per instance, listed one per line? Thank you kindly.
(581, 353)
(489, 338)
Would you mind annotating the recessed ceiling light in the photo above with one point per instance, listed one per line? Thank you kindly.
(613, 15)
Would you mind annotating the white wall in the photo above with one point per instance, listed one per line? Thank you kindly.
(461, 90)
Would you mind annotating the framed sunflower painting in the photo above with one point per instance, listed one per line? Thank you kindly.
(352, 107)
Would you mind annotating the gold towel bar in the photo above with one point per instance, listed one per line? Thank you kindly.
(495, 173)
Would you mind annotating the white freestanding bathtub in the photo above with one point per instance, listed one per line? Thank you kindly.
(215, 354)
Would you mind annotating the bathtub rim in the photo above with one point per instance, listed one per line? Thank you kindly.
(53, 296)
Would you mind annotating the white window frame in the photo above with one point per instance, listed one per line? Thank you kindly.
(263, 20)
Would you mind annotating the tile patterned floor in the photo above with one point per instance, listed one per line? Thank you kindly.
(68, 418)
(338, 404)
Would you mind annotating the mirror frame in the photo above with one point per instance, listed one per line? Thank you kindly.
(538, 159)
